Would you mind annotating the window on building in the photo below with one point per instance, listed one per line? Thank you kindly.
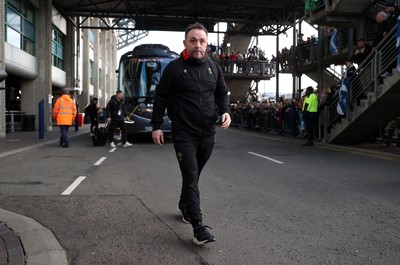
(101, 78)
(20, 25)
(91, 65)
(91, 37)
(57, 48)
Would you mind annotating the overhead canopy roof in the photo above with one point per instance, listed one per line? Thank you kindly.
(256, 17)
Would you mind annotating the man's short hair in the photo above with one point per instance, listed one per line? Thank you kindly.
(390, 4)
(381, 14)
(195, 25)
(64, 91)
(118, 91)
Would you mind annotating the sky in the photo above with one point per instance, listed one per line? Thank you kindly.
(174, 40)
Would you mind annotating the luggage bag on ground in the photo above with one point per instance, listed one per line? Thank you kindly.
(100, 135)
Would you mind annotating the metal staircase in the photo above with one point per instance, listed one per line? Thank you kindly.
(329, 78)
(372, 100)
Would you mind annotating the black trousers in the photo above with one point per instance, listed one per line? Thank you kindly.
(310, 121)
(64, 134)
(117, 124)
(192, 156)
(94, 123)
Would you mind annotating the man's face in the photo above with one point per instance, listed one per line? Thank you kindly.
(361, 44)
(119, 96)
(389, 9)
(196, 43)
(379, 19)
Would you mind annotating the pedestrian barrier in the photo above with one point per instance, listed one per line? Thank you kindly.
(14, 120)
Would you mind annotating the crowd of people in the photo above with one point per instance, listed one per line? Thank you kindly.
(285, 116)
(254, 60)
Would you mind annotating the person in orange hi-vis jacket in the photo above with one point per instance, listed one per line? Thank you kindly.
(64, 112)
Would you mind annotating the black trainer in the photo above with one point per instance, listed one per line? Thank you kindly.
(201, 235)
(182, 213)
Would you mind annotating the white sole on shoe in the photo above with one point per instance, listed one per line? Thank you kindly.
(199, 243)
(181, 215)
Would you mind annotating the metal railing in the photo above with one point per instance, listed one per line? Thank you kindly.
(366, 78)
(259, 67)
(14, 120)
(333, 73)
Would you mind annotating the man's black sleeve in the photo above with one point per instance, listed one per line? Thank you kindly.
(221, 93)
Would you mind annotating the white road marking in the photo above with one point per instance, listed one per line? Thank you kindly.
(266, 157)
(100, 161)
(112, 150)
(73, 186)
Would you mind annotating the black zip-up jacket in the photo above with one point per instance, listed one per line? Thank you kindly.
(113, 107)
(193, 91)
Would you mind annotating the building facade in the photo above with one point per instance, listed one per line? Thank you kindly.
(42, 52)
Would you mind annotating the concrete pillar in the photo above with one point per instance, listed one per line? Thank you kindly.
(102, 65)
(350, 43)
(2, 84)
(109, 65)
(85, 78)
(114, 61)
(113, 64)
(69, 55)
(97, 54)
(39, 89)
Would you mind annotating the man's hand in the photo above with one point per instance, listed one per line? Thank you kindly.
(226, 121)
(108, 120)
(158, 137)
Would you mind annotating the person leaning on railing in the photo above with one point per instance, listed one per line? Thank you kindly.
(379, 34)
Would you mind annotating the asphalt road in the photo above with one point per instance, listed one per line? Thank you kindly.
(269, 201)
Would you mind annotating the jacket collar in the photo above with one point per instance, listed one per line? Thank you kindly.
(66, 97)
(189, 59)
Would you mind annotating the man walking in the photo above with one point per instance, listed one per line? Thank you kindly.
(64, 112)
(190, 88)
(116, 115)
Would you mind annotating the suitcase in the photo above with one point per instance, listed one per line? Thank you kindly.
(100, 135)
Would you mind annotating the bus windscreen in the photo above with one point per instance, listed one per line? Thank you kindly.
(140, 77)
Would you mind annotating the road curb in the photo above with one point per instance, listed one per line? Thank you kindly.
(40, 244)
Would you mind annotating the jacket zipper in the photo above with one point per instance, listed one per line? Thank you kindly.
(201, 102)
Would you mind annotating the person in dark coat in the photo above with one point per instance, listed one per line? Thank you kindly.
(379, 35)
(392, 14)
(116, 115)
(361, 52)
(190, 88)
(93, 112)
